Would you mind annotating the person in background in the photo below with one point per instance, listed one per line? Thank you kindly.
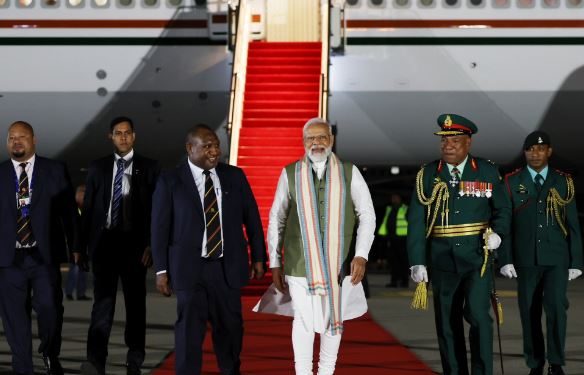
(395, 228)
(545, 253)
(115, 231)
(38, 214)
(77, 277)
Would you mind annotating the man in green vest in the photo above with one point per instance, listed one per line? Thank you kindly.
(321, 228)
(545, 253)
(395, 228)
(457, 214)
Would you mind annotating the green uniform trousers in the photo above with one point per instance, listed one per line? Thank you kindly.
(459, 296)
(543, 287)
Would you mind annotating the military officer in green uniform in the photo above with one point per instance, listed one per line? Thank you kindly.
(544, 253)
(459, 211)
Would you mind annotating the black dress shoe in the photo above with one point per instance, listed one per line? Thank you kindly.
(53, 366)
(69, 297)
(83, 298)
(89, 368)
(555, 370)
(536, 371)
(132, 369)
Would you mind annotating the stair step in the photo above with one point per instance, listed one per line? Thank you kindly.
(282, 78)
(290, 69)
(279, 113)
(273, 141)
(280, 161)
(285, 52)
(281, 122)
(289, 95)
(284, 45)
(294, 133)
(268, 151)
(261, 171)
(281, 104)
(279, 87)
(283, 61)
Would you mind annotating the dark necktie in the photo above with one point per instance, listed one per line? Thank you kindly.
(117, 194)
(24, 228)
(455, 177)
(214, 242)
(538, 182)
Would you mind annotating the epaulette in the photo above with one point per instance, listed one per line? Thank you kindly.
(513, 172)
(473, 164)
(510, 174)
(490, 161)
(562, 173)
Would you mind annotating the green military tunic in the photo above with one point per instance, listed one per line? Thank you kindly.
(542, 252)
(454, 257)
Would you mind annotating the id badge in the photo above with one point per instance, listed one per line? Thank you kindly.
(23, 202)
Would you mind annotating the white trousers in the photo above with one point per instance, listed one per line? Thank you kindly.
(311, 314)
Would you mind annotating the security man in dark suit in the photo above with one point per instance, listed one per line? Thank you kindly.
(116, 233)
(37, 207)
(457, 199)
(201, 253)
(545, 253)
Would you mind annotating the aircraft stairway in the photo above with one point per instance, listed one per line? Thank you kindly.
(281, 93)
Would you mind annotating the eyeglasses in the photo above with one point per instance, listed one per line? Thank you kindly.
(319, 138)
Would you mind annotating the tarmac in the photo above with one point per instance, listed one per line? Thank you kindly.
(390, 307)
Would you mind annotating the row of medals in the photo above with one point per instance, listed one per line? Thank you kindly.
(475, 189)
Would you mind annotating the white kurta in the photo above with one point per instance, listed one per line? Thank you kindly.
(314, 310)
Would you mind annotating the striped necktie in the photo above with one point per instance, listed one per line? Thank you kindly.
(24, 228)
(538, 182)
(214, 242)
(117, 194)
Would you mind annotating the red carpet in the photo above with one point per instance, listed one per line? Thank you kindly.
(281, 94)
(365, 349)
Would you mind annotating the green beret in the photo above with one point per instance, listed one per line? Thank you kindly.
(451, 124)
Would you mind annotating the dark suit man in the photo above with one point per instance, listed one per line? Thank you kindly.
(116, 233)
(202, 253)
(455, 200)
(546, 252)
(38, 211)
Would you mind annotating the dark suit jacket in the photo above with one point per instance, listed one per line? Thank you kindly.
(53, 211)
(98, 193)
(178, 225)
(537, 237)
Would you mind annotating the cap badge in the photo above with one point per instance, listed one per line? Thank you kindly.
(539, 140)
(447, 122)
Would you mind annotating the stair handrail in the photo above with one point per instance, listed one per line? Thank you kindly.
(325, 28)
(238, 79)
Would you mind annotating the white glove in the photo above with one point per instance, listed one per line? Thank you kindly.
(573, 273)
(493, 241)
(419, 274)
(508, 270)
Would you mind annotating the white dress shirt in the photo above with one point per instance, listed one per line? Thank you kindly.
(29, 171)
(200, 182)
(126, 185)
(361, 201)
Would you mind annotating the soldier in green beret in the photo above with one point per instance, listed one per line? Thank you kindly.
(458, 214)
(545, 251)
